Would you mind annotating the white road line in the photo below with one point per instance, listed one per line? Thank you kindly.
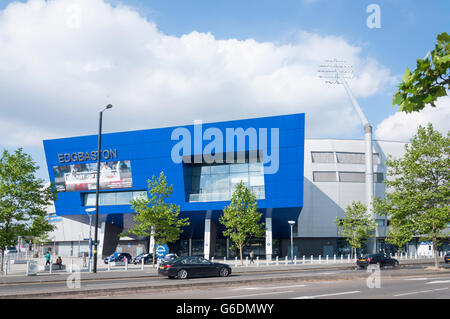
(262, 288)
(438, 282)
(419, 292)
(416, 279)
(252, 295)
(329, 295)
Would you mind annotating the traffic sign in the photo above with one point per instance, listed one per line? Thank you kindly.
(161, 250)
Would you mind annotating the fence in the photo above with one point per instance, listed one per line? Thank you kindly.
(16, 264)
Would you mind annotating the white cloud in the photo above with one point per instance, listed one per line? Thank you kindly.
(61, 61)
(402, 126)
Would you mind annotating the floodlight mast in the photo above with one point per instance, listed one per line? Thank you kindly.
(335, 69)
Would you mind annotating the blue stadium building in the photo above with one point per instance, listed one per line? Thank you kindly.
(203, 162)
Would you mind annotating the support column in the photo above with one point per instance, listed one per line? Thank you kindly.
(268, 238)
(207, 239)
(210, 238)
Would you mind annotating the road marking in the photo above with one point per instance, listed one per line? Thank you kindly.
(262, 288)
(252, 295)
(419, 292)
(416, 279)
(329, 295)
(438, 282)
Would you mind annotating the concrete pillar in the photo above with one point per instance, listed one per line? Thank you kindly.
(269, 247)
(207, 239)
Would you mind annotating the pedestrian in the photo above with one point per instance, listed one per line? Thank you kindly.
(252, 255)
(59, 262)
(47, 258)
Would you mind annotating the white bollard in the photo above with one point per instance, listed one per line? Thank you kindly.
(342, 258)
(312, 260)
(276, 259)
(257, 261)
(320, 259)
(224, 259)
(246, 261)
(295, 260)
(235, 261)
(109, 265)
(212, 259)
(142, 264)
(71, 266)
(126, 264)
(334, 259)
(50, 267)
(304, 259)
(327, 259)
(348, 258)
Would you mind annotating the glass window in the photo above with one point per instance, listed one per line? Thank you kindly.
(322, 157)
(324, 176)
(220, 169)
(107, 199)
(352, 177)
(124, 198)
(89, 199)
(239, 168)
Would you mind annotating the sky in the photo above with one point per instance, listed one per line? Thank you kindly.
(163, 63)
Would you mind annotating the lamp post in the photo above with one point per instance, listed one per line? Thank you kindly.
(89, 213)
(98, 184)
(338, 72)
(292, 223)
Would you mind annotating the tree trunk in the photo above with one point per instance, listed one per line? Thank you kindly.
(435, 251)
(2, 260)
(240, 253)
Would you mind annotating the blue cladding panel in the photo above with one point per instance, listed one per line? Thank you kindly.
(150, 153)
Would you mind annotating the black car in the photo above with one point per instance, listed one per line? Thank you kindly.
(148, 259)
(380, 259)
(118, 257)
(447, 257)
(186, 266)
(167, 258)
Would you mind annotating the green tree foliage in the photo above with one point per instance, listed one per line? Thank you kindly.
(429, 81)
(418, 193)
(241, 218)
(155, 217)
(23, 200)
(356, 226)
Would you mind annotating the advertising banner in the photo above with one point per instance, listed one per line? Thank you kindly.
(83, 177)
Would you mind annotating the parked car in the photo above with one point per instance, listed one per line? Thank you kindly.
(118, 257)
(148, 258)
(188, 266)
(10, 250)
(447, 257)
(380, 259)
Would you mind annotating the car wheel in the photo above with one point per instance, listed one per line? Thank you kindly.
(182, 274)
(224, 272)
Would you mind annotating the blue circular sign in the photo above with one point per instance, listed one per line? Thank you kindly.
(161, 250)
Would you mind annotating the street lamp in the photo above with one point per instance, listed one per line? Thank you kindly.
(98, 183)
(89, 213)
(292, 223)
(337, 71)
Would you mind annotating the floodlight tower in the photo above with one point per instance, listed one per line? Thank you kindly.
(337, 71)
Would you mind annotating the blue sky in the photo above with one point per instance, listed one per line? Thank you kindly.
(408, 30)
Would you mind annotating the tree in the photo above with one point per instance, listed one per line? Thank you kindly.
(154, 217)
(356, 226)
(241, 218)
(23, 200)
(418, 193)
(429, 81)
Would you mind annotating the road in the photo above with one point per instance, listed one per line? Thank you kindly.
(430, 287)
(408, 282)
